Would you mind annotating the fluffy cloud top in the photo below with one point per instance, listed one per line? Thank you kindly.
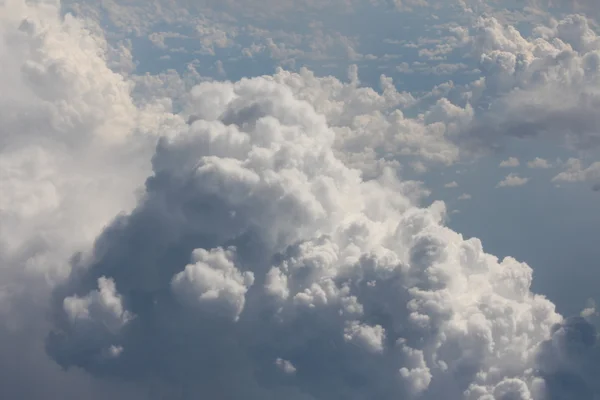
(103, 306)
(214, 279)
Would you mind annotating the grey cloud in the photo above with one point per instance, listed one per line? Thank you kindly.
(570, 361)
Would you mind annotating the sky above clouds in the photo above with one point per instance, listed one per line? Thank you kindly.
(306, 200)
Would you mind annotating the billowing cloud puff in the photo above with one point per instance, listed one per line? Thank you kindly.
(102, 307)
(298, 265)
(512, 180)
(214, 279)
(366, 120)
(543, 85)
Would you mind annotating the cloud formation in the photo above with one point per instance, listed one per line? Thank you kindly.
(512, 180)
(538, 163)
(576, 172)
(544, 85)
(294, 257)
(247, 245)
(510, 162)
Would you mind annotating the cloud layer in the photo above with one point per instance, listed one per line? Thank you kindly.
(255, 238)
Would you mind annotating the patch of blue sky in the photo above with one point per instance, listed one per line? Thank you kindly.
(551, 228)
(554, 230)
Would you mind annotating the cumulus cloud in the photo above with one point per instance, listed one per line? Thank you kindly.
(575, 171)
(452, 184)
(510, 162)
(74, 148)
(371, 127)
(539, 163)
(248, 238)
(103, 307)
(512, 180)
(465, 196)
(214, 280)
(544, 85)
(345, 279)
(66, 133)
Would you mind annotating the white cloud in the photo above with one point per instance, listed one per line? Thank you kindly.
(544, 86)
(363, 119)
(74, 148)
(369, 337)
(103, 307)
(465, 196)
(452, 184)
(510, 162)
(539, 163)
(512, 180)
(214, 280)
(576, 172)
(416, 372)
(590, 310)
(286, 366)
